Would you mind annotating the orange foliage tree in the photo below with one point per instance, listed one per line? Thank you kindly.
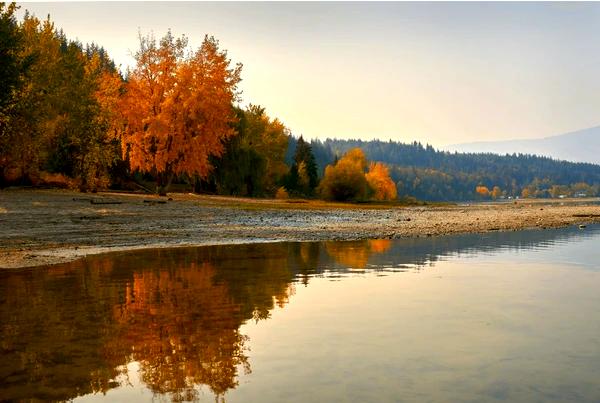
(482, 191)
(379, 180)
(177, 108)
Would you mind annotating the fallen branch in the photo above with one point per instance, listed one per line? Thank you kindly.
(98, 201)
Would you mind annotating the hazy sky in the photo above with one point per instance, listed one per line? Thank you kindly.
(440, 73)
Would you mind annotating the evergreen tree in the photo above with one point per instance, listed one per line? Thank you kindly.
(304, 154)
(253, 161)
(10, 44)
(10, 77)
(303, 177)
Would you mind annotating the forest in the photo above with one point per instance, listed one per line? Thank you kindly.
(174, 121)
(429, 174)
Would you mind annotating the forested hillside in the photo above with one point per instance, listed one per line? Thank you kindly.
(426, 173)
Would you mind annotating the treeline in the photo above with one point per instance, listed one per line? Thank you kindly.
(55, 105)
(428, 174)
(69, 117)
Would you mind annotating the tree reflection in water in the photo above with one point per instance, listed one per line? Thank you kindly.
(355, 254)
(70, 330)
(182, 329)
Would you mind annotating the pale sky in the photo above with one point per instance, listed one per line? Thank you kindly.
(439, 73)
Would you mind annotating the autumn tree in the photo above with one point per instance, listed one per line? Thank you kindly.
(382, 186)
(496, 192)
(177, 109)
(269, 138)
(55, 125)
(99, 148)
(482, 191)
(31, 120)
(253, 161)
(346, 179)
(81, 112)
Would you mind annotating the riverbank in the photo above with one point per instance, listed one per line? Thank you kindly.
(51, 226)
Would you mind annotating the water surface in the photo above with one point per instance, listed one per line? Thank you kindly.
(501, 316)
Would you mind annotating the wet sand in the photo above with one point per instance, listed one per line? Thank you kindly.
(39, 227)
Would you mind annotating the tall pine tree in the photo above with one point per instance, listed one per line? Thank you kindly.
(304, 177)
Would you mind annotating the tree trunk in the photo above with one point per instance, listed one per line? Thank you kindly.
(163, 182)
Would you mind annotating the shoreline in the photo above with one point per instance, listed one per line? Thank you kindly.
(42, 227)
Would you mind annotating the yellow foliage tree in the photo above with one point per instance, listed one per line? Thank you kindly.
(100, 147)
(346, 179)
(269, 138)
(496, 192)
(379, 180)
(303, 179)
(60, 112)
(282, 194)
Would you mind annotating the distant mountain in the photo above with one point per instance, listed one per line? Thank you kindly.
(579, 146)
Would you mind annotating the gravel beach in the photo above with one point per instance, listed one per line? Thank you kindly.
(40, 227)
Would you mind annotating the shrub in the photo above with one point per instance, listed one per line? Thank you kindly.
(57, 180)
(282, 194)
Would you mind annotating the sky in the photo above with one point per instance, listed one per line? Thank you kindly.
(439, 73)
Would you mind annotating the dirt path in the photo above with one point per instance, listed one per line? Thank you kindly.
(45, 226)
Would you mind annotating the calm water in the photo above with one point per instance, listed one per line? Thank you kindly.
(504, 316)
